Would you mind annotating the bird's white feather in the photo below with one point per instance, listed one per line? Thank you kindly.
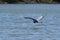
(40, 18)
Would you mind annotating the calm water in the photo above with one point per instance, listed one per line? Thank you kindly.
(13, 26)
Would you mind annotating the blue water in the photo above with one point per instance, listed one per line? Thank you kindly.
(13, 26)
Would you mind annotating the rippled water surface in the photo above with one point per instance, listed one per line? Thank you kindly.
(13, 26)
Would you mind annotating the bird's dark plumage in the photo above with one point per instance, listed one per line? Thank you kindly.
(34, 20)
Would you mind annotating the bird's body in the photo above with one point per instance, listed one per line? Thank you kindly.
(35, 20)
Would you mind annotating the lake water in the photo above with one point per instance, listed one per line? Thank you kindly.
(13, 26)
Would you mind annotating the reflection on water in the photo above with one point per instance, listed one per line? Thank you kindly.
(13, 26)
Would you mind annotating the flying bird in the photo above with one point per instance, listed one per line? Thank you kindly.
(35, 20)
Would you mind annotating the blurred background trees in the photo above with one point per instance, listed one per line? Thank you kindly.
(28, 1)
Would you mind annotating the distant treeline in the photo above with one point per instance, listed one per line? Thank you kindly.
(28, 1)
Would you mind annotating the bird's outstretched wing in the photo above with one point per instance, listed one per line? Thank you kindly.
(34, 20)
(40, 18)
